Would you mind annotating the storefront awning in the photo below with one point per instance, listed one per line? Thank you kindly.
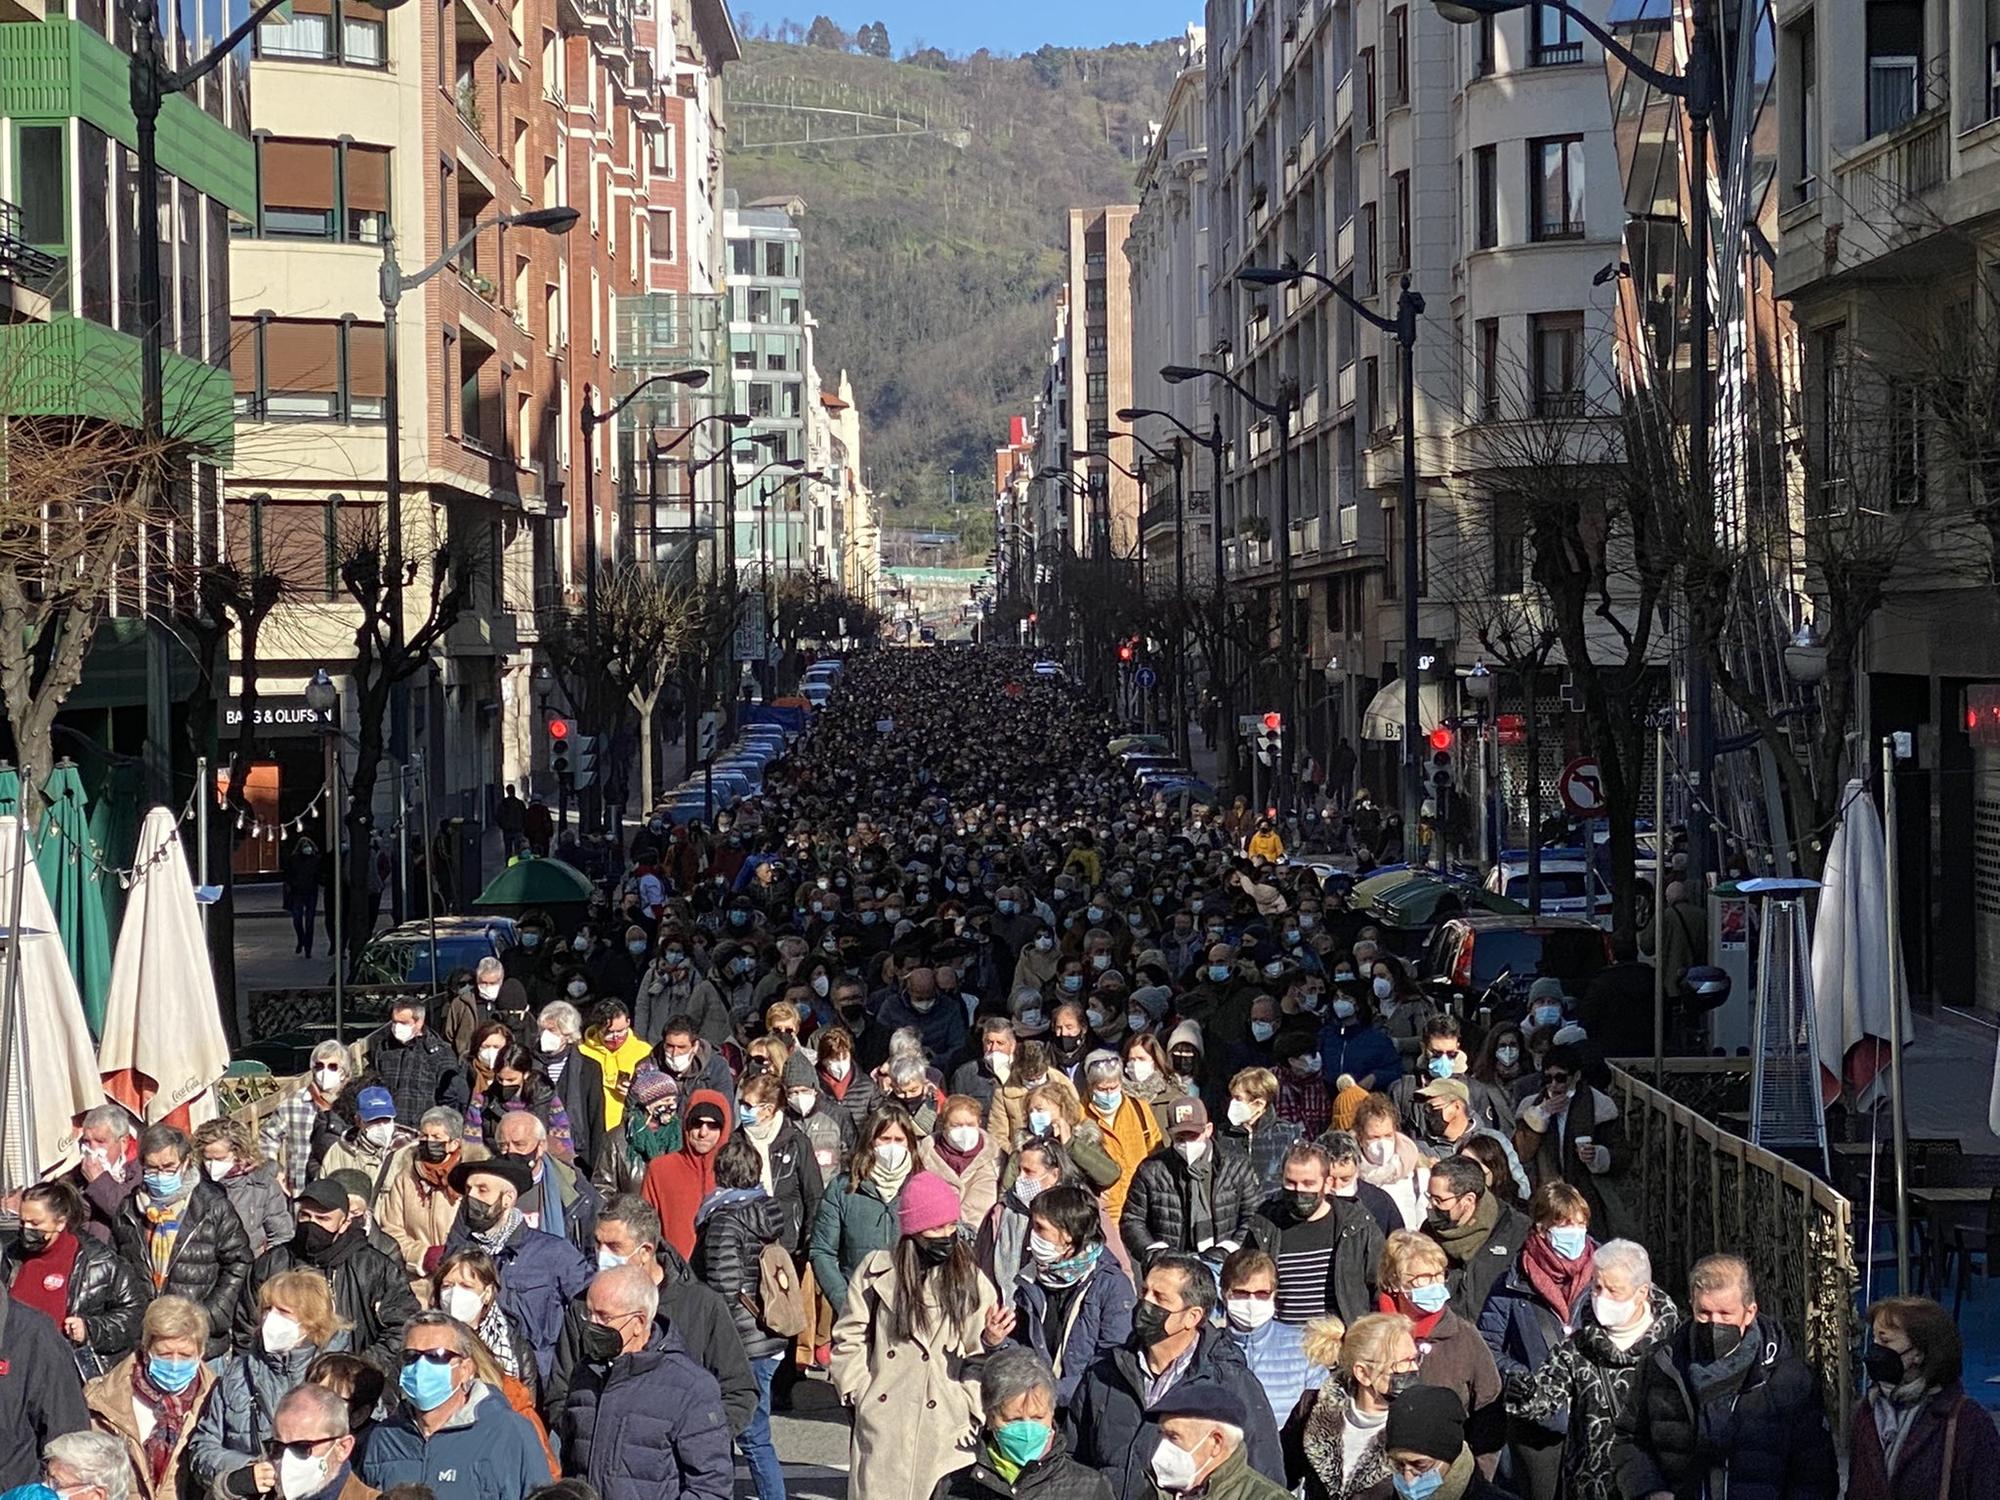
(1383, 718)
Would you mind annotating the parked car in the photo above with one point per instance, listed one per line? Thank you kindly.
(1469, 955)
(402, 955)
(1572, 885)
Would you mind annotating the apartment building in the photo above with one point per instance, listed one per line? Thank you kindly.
(1168, 253)
(70, 324)
(1369, 142)
(768, 352)
(1099, 336)
(1059, 517)
(1887, 168)
(447, 119)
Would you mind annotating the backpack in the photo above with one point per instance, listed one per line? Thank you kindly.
(780, 1303)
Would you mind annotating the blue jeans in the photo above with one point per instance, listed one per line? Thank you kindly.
(766, 1473)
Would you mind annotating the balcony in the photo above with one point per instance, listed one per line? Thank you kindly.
(1343, 245)
(1885, 178)
(1343, 102)
(1343, 390)
(1308, 410)
(1309, 144)
(1305, 537)
(28, 277)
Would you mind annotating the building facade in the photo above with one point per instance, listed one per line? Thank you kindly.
(1099, 338)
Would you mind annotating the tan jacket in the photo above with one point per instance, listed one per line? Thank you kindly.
(413, 1213)
(1007, 1115)
(916, 1404)
(109, 1400)
(978, 1188)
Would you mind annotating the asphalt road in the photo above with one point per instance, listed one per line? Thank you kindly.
(812, 1443)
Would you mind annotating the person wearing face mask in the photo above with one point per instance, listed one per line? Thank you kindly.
(1502, 1059)
(1146, 1075)
(1251, 1127)
(539, 1272)
(1219, 1002)
(650, 1128)
(371, 1145)
(620, 966)
(1068, 1040)
(1369, 1362)
(1001, 1247)
(451, 1431)
(561, 1200)
(1020, 1452)
(287, 1134)
(1479, 1233)
(419, 1207)
(291, 1321)
(961, 1153)
(924, 1296)
(857, 1213)
(1177, 1354)
(1302, 1100)
(1273, 1350)
(520, 1087)
(730, 982)
(980, 1077)
(311, 1448)
(1351, 1041)
(461, 1011)
(789, 1168)
(1189, 1195)
(1729, 1395)
(943, 1027)
(581, 1076)
(1593, 1374)
(1038, 963)
(1400, 1008)
(149, 1398)
(1128, 1130)
(1324, 1247)
(414, 1064)
(179, 1233)
(228, 1157)
(666, 988)
(733, 1227)
(1449, 1126)
(1411, 1281)
(80, 1284)
(1444, 1056)
(498, 996)
(1425, 1442)
(1542, 1299)
(1572, 1132)
(371, 1289)
(688, 1058)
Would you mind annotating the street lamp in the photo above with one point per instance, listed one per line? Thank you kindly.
(592, 420)
(1805, 657)
(323, 702)
(1281, 412)
(1698, 87)
(1403, 329)
(1176, 459)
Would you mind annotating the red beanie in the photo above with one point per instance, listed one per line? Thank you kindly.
(926, 1202)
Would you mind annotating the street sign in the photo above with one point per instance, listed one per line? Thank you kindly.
(1147, 678)
(1582, 788)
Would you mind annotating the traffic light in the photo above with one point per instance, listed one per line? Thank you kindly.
(1441, 739)
(707, 733)
(1438, 777)
(1125, 651)
(1271, 739)
(585, 754)
(562, 748)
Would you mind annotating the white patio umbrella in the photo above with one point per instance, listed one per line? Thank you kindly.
(1850, 959)
(50, 1079)
(164, 1048)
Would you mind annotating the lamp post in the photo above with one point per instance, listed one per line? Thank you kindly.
(323, 701)
(1288, 663)
(1403, 329)
(592, 420)
(1175, 458)
(1479, 687)
(1698, 88)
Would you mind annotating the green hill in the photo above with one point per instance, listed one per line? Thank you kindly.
(932, 266)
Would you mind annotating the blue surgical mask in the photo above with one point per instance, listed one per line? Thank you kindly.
(1422, 1487)
(747, 1113)
(1547, 1015)
(1038, 1122)
(162, 1184)
(1072, 983)
(1440, 1067)
(1218, 973)
(1569, 1240)
(172, 1375)
(1430, 1298)
(1008, 908)
(425, 1385)
(531, 940)
(1263, 1030)
(1105, 1099)
(1291, 936)
(1095, 913)
(635, 948)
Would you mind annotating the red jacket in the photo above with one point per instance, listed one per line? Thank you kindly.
(676, 1183)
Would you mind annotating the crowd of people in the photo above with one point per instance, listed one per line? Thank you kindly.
(1081, 1151)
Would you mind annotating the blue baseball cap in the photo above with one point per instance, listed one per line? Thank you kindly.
(374, 1103)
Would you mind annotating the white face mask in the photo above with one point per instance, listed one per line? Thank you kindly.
(610, 1260)
(1241, 1111)
(678, 1062)
(891, 1154)
(328, 1079)
(1381, 1151)
(380, 1133)
(551, 1042)
(839, 1067)
(463, 1303)
(404, 1031)
(1000, 1064)
(1614, 1312)
(1044, 1251)
(1247, 1314)
(963, 1137)
(299, 1477)
(489, 991)
(803, 1100)
(1140, 1069)
(1191, 1151)
(1175, 1470)
(281, 1334)
(217, 1170)
(488, 1056)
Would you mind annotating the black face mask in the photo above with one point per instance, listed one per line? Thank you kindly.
(1068, 1046)
(35, 1241)
(1149, 1323)
(1304, 1205)
(934, 1250)
(312, 1241)
(1884, 1366)
(1400, 1382)
(1714, 1341)
(479, 1216)
(601, 1345)
(432, 1151)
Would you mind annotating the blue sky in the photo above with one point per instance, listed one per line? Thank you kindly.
(1021, 26)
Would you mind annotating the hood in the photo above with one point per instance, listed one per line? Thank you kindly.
(708, 1096)
(1190, 1033)
(762, 1214)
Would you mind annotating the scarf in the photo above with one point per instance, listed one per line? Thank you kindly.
(952, 1157)
(164, 1220)
(646, 1141)
(835, 1087)
(1400, 1167)
(1895, 1409)
(1726, 1374)
(1462, 1241)
(999, 1462)
(889, 1183)
(171, 1414)
(1556, 1281)
(761, 1135)
(1069, 1272)
(1422, 1324)
(494, 1240)
(1153, 1091)
(498, 1337)
(43, 1282)
(436, 1175)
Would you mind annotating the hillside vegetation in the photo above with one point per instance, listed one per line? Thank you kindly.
(932, 267)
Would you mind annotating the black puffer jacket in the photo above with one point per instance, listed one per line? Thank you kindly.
(731, 1231)
(1770, 1438)
(211, 1258)
(371, 1292)
(1053, 1476)
(103, 1291)
(1161, 1206)
(797, 1185)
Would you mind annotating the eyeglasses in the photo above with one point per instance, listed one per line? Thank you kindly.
(1554, 1079)
(431, 1356)
(703, 1127)
(302, 1449)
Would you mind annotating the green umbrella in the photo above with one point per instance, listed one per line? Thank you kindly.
(10, 792)
(73, 876)
(531, 882)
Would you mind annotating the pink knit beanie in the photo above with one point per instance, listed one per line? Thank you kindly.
(926, 1202)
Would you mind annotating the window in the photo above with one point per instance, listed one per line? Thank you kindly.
(1399, 56)
(1392, 554)
(307, 370)
(552, 315)
(1908, 462)
(1487, 393)
(473, 408)
(760, 304)
(666, 237)
(1805, 51)
(44, 217)
(1486, 197)
(762, 403)
(742, 258)
(1095, 344)
(774, 259)
(1483, 57)
(1895, 60)
(1510, 545)
(1367, 246)
(450, 368)
(1557, 343)
(1093, 296)
(297, 181)
(1555, 187)
(1098, 387)
(1399, 187)
(1556, 38)
(1830, 413)
(348, 32)
(1365, 61)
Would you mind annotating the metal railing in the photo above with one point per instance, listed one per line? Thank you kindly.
(1692, 1188)
(1909, 161)
(19, 260)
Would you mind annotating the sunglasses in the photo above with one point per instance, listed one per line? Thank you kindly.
(301, 1450)
(430, 1356)
(703, 1127)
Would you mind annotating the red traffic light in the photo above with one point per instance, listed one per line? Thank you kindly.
(559, 729)
(1124, 652)
(1274, 721)
(1441, 737)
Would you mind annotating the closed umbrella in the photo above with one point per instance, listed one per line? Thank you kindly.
(74, 881)
(164, 1048)
(50, 1066)
(1850, 959)
(10, 792)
